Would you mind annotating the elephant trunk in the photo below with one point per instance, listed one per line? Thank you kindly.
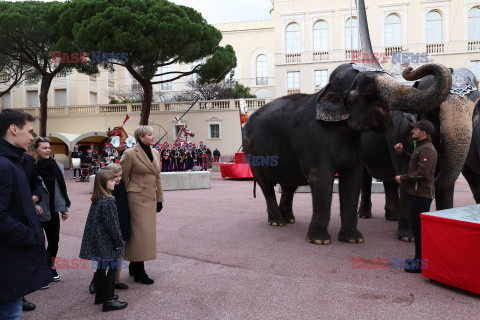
(456, 134)
(412, 100)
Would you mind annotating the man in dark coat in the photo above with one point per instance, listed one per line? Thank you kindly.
(35, 182)
(22, 242)
(216, 155)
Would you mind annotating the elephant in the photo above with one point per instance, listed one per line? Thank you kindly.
(452, 119)
(471, 168)
(315, 136)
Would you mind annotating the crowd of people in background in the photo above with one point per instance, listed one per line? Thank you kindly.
(185, 157)
(176, 157)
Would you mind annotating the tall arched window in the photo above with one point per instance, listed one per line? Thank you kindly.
(351, 34)
(474, 24)
(320, 36)
(393, 31)
(434, 27)
(262, 70)
(292, 37)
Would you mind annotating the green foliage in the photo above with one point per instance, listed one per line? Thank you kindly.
(240, 91)
(152, 32)
(29, 33)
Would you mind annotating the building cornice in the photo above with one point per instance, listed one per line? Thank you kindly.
(394, 4)
(296, 13)
(321, 11)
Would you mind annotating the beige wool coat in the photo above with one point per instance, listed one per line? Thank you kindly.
(144, 189)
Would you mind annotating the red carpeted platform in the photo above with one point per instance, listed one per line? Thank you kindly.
(451, 243)
(238, 170)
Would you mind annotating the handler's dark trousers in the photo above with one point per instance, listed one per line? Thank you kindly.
(418, 205)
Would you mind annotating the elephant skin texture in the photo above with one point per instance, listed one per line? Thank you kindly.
(316, 136)
(452, 120)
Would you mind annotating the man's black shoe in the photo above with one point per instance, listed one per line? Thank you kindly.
(412, 270)
(413, 266)
(112, 305)
(27, 306)
(115, 297)
(91, 288)
(121, 286)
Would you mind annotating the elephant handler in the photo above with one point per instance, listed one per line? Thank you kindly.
(421, 183)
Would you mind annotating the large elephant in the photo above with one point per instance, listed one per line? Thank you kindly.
(315, 136)
(452, 119)
(471, 169)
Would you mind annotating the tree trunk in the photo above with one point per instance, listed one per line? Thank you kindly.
(44, 88)
(146, 102)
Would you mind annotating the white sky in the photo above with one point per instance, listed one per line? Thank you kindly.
(224, 11)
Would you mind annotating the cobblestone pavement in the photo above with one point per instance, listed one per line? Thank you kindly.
(219, 259)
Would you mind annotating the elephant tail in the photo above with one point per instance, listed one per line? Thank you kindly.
(254, 188)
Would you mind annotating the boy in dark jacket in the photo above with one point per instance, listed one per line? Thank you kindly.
(22, 241)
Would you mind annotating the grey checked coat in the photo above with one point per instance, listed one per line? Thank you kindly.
(102, 232)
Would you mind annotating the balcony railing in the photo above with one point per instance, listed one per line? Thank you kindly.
(81, 110)
(293, 57)
(320, 56)
(262, 81)
(4, 77)
(389, 51)
(114, 108)
(160, 107)
(251, 103)
(435, 48)
(61, 75)
(348, 54)
(473, 45)
(215, 104)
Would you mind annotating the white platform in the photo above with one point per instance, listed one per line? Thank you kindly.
(216, 166)
(178, 180)
(377, 187)
(185, 180)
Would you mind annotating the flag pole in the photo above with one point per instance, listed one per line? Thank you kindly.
(179, 119)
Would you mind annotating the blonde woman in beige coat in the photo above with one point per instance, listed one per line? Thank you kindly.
(141, 173)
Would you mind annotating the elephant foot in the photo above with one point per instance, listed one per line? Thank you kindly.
(276, 222)
(405, 235)
(290, 218)
(391, 215)
(350, 236)
(364, 214)
(319, 237)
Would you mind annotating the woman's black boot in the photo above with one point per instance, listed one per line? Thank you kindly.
(140, 275)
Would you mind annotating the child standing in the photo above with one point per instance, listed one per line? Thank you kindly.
(120, 194)
(102, 240)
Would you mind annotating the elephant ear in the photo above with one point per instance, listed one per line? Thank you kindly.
(330, 106)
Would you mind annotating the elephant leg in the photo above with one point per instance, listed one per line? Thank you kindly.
(404, 231)
(274, 215)
(473, 180)
(322, 187)
(286, 202)
(444, 197)
(365, 209)
(349, 184)
(392, 209)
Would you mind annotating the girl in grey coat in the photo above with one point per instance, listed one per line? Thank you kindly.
(102, 240)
